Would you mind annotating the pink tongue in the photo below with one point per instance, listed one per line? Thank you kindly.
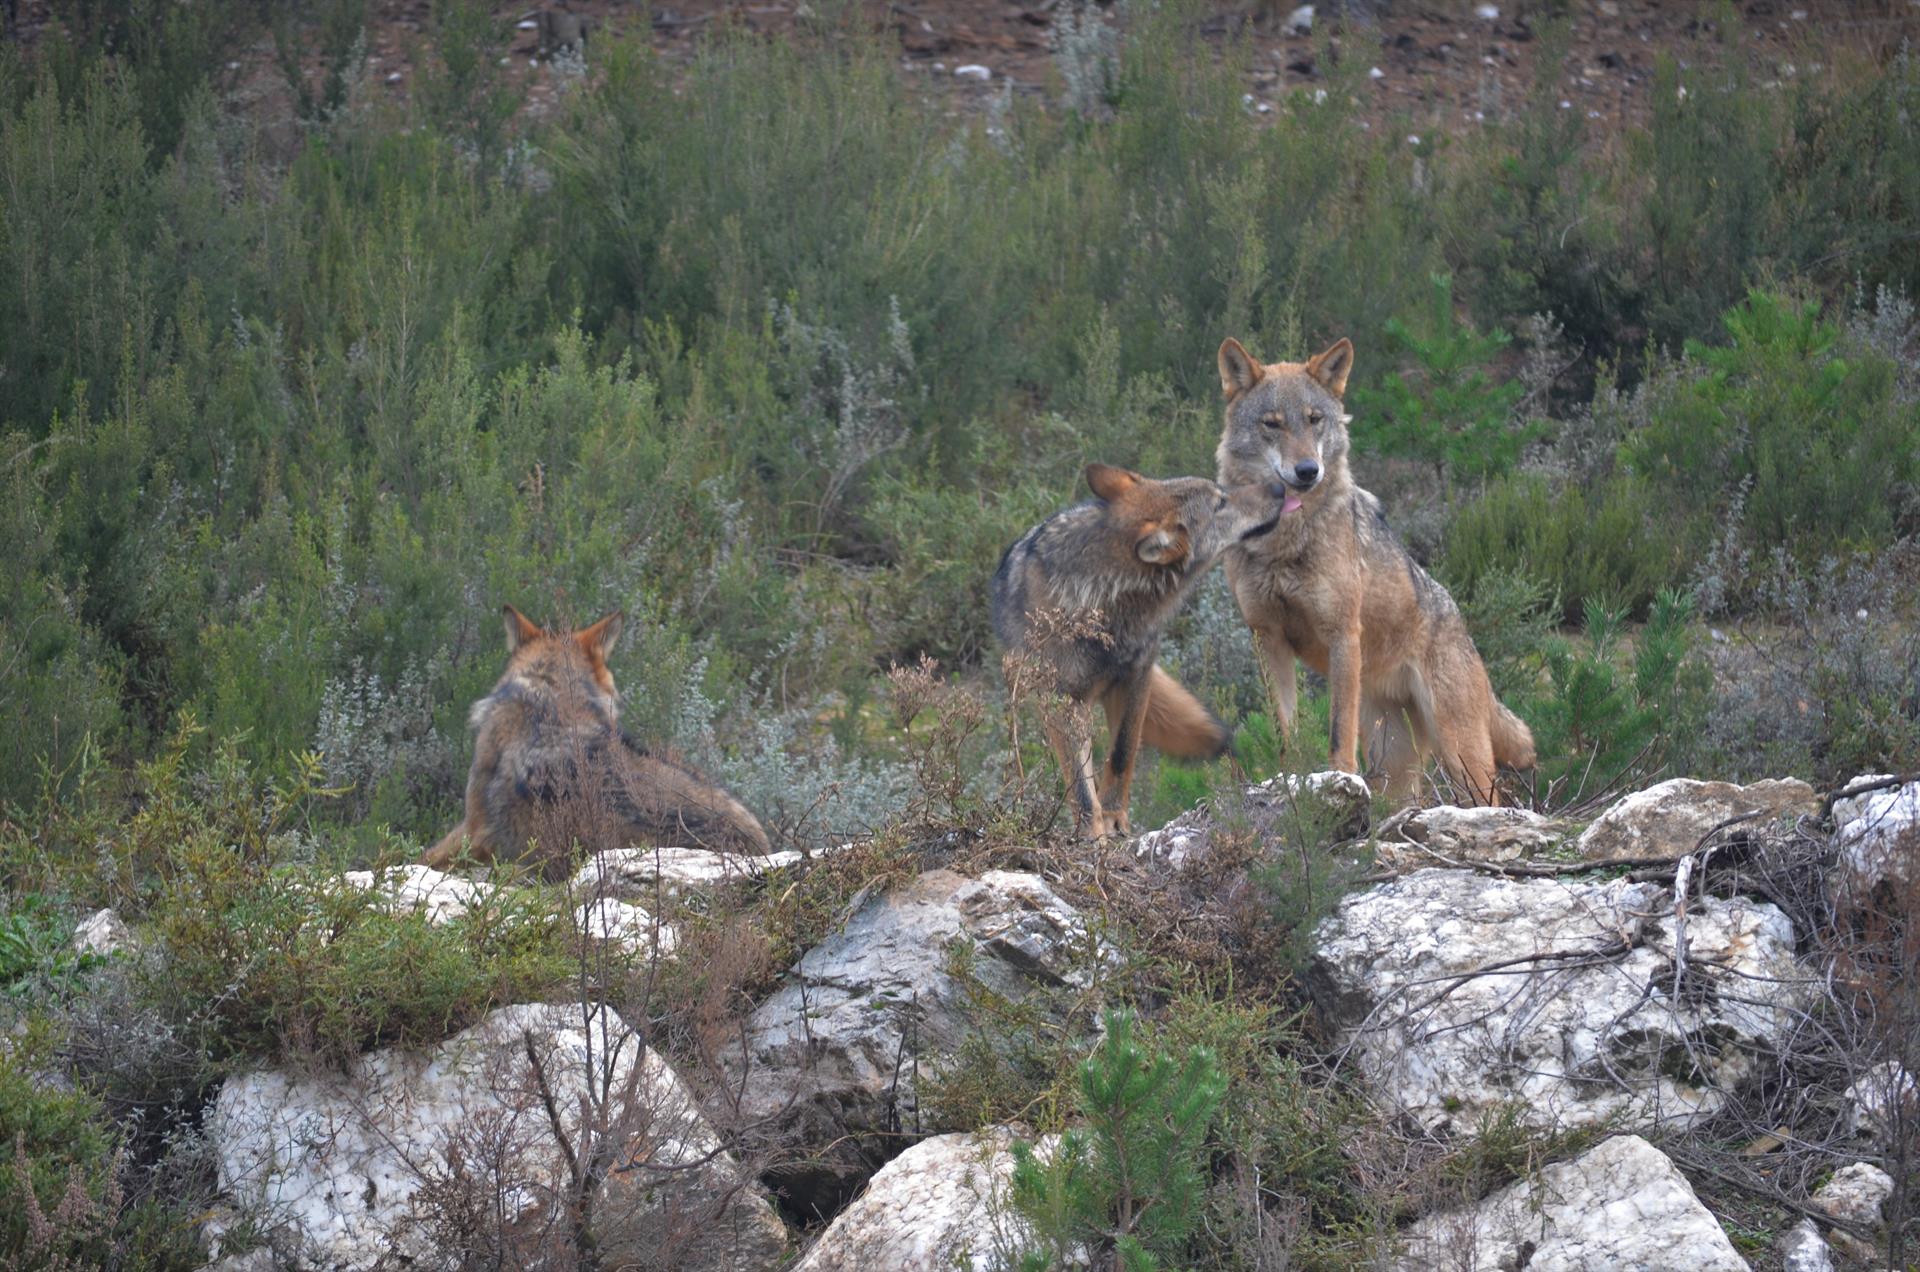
(1289, 504)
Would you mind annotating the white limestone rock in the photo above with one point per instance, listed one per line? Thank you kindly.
(103, 933)
(1878, 835)
(1803, 1249)
(830, 1059)
(643, 875)
(442, 897)
(1460, 993)
(1621, 1206)
(1855, 1194)
(942, 1204)
(624, 925)
(1333, 804)
(1479, 834)
(349, 1170)
(1670, 819)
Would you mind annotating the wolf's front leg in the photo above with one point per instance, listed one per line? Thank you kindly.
(1072, 740)
(1283, 690)
(1343, 691)
(1126, 707)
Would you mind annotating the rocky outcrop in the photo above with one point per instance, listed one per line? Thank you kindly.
(1324, 807)
(1672, 818)
(1448, 834)
(1460, 993)
(830, 1061)
(1878, 837)
(644, 874)
(1620, 1205)
(941, 1204)
(389, 1160)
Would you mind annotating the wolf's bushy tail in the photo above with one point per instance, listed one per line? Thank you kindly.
(1512, 739)
(1177, 724)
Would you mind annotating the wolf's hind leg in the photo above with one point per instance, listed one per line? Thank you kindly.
(1393, 752)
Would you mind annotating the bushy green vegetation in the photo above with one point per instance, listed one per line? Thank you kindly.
(777, 356)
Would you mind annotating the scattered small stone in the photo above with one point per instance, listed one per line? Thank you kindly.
(1300, 21)
(1798, 15)
(104, 932)
(1803, 1249)
(1487, 12)
(972, 71)
(393, 77)
(1375, 73)
(1855, 1194)
(1565, 104)
(528, 24)
(1319, 96)
(1413, 139)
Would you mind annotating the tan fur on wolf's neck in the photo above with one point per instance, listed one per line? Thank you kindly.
(1332, 587)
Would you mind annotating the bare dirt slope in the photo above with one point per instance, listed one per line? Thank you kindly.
(1448, 65)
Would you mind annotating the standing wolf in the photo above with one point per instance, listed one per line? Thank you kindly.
(551, 765)
(1084, 594)
(1333, 587)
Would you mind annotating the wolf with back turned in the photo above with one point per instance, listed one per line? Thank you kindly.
(1083, 597)
(553, 769)
(1332, 587)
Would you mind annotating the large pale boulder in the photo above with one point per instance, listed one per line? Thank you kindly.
(426, 1157)
(1878, 837)
(1460, 994)
(1621, 1206)
(1321, 806)
(941, 1204)
(830, 1062)
(1670, 819)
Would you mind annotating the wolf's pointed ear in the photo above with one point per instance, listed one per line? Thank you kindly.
(603, 635)
(1238, 371)
(1109, 482)
(1330, 366)
(520, 629)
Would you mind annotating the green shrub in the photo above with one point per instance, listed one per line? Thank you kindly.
(1449, 413)
(1602, 727)
(1129, 1188)
(1817, 445)
(1613, 546)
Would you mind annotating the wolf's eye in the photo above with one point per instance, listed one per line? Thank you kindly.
(1314, 417)
(1220, 504)
(1272, 421)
